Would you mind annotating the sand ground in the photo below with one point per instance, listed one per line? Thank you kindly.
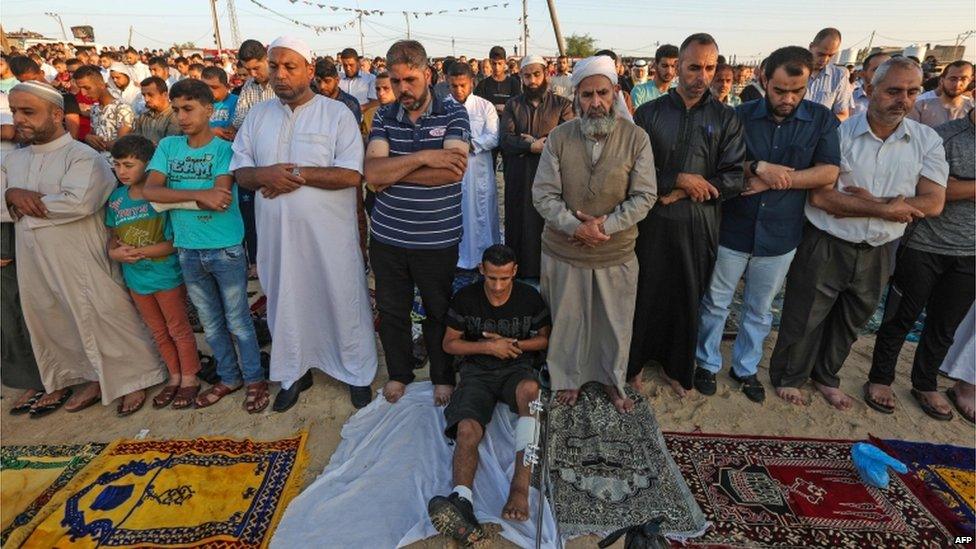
(325, 407)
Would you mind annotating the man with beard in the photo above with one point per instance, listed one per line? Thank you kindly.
(595, 182)
(500, 86)
(561, 83)
(829, 84)
(953, 102)
(416, 158)
(479, 193)
(83, 326)
(893, 171)
(158, 120)
(308, 231)
(721, 87)
(665, 69)
(326, 82)
(698, 155)
(791, 146)
(525, 123)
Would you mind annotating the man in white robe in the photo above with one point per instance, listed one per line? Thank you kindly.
(304, 154)
(83, 326)
(479, 193)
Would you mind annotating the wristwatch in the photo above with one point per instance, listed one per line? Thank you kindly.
(754, 167)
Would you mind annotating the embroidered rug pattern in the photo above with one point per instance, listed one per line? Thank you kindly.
(207, 491)
(764, 492)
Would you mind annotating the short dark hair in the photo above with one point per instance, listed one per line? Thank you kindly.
(215, 73)
(133, 146)
(181, 60)
(829, 32)
(872, 57)
(89, 71)
(326, 69)
(793, 59)
(130, 49)
(608, 53)
(700, 38)
(251, 50)
(160, 84)
(192, 89)
(723, 67)
(382, 74)
(407, 52)
(158, 61)
(73, 61)
(666, 51)
(955, 64)
(496, 53)
(348, 53)
(197, 67)
(498, 255)
(20, 65)
(460, 69)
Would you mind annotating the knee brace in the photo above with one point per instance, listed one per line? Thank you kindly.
(524, 432)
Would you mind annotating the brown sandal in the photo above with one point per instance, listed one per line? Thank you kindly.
(165, 397)
(257, 398)
(185, 397)
(120, 410)
(220, 390)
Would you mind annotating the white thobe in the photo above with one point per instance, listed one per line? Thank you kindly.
(479, 193)
(309, 262)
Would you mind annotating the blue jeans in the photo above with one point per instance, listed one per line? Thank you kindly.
(764, 279)
(217, 283)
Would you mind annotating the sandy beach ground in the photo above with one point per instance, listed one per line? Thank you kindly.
(325, 407)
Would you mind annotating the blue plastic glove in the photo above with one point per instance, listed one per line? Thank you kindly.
(872, 464)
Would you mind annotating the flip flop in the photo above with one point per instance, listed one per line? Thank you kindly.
(874, 404)
(928, 408)
(41, 411)
(86, 404)
(118, 409)
(27, 405)
(951, 393)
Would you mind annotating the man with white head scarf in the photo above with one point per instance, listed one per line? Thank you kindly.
(525, 124)
(126, 88)
(304, 154)
(595, 181)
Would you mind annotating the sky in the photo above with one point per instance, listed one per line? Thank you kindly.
(629, 27)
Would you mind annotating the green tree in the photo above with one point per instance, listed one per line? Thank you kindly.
(580, 45)
(185, 46)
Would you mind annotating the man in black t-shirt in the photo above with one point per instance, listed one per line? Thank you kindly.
(498, 330)
(500, 86)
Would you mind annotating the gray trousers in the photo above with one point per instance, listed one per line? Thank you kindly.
(832, 290)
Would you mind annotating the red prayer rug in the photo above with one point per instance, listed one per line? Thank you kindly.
(763, 492)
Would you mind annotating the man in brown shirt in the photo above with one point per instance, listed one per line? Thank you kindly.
(159, 120)
(595, 181)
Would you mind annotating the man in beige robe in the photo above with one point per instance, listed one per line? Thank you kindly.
(82, 324)
(595, 181)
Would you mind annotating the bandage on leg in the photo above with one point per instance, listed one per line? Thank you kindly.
(525, 432)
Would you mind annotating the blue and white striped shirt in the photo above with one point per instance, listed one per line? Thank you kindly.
(417, 216)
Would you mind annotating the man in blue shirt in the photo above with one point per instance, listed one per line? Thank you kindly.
(327, 83)
(791, 145)
(415, 159)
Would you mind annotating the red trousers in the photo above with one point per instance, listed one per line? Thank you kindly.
(165, 314)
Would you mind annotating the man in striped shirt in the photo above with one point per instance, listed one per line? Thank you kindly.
(415, 159)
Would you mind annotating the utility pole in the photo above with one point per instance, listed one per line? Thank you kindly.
(129, 43)
(560, 43)
(406, 15)
(213, 12)
(525, 27)
(870, 42)
(64, 35)
(235, 31)
(453, 51)
(362, 40)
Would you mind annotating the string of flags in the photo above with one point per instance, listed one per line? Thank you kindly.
(415, 14)
(318, 29)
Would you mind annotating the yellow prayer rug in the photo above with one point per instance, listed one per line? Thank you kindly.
(30, 476)
(177, 493)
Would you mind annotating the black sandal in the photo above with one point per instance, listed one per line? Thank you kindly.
(929, 409)
(874, 404)
(26, 406)
(953, 398)
(41, 411)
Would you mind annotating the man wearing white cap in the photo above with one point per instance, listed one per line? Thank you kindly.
(125, 89)
(525, 124)
(304, 154)
(595, 181)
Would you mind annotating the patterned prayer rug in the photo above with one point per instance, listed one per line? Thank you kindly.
(166, 493)
(611, 470)
(30, 476)
(761, 492)
(946, 479)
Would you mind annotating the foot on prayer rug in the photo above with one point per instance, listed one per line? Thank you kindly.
(200, 492)
(771, 492)
(942, 476)
(611, 470)
(30, 477)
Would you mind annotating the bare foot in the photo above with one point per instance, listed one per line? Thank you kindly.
(837, 398)
(132, 402)
(442, 394)
(25, 397)
(393, 390)
(50, 398)
(675, 386)
(517, 506)
(637, 382)
(938, 401)
(791, 395)
(567, 396)
(622, 403)
(83, 397)
(965, 397)
(882, 394)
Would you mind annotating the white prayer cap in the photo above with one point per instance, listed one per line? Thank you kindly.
(41, 89)
(296, 45)
(640, 63)
(120, 68)
(591, 66)
(532, 60)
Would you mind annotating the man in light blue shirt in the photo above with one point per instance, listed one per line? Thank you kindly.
(355, 81)
(665, 69)
(829, 83)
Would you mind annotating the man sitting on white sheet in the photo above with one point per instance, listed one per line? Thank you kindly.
(497, 331)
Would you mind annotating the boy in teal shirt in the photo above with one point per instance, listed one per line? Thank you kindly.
(192, 170)
(142, 242)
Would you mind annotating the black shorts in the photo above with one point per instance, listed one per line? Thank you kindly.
(479, 389)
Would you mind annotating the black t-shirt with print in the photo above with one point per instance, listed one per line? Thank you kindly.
(521, 317)
(498, 92)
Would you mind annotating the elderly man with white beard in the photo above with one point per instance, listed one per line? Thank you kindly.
(595, 181)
